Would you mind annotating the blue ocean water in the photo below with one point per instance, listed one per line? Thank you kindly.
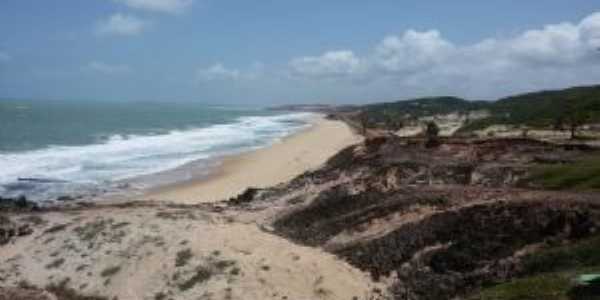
(49, 149)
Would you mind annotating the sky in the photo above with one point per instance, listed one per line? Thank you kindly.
(281, 51)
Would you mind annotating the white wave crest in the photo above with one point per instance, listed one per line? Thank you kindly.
(122, 157)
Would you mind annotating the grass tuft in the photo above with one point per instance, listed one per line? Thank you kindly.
(183, 257)
(110, 271)
(62, 292)
(202, 274)
(56, 263)
(547, 286)
(550, 273)
(580, 175)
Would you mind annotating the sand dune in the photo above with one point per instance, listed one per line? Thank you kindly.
(163, 252)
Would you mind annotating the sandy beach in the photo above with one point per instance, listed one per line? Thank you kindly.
(265, 167)
(152, 251)
(157, 250)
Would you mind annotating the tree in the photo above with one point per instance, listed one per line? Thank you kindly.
(431, 133)
(432, 130)
(576, 117)
(393, 124)
(364, 120)
(559, 123)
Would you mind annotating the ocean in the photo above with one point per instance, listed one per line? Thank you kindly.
(50, 150)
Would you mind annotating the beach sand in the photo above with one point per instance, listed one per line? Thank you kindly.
(265, 167)
(157, 250)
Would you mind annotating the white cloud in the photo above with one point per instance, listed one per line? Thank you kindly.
(217, 72)
(330, 64)
(121, 24)
(108, 69)
(165, 6)
(4, 57)
(412, 51)
(555, 55)
(590, 31)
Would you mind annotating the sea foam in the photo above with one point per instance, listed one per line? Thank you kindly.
(97, 168)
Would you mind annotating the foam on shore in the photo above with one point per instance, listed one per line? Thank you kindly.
(266, 167)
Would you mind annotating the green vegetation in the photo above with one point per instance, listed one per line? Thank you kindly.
(581, 255)
(391, 114)
(550, 274)
(545, 286)
(580, 175)
(550, 108)
(431, 132)
(563, 110)
(425, 107)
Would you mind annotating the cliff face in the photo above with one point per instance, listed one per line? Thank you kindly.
(432, 223)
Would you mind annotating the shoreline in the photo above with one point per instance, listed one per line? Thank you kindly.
(278, 163)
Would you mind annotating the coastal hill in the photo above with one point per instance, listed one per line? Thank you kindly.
(539, 110)
(463, 216)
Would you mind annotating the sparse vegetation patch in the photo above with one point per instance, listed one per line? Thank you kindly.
(91, 230)
(56, 263)
(580, 175)
(56, 228)
(110, 271)
(183, 257)
(62, 292)
(201, 274)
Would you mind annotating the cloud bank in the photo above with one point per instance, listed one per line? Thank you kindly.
(556, 54)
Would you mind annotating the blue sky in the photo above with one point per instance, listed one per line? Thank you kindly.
(269, 52)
